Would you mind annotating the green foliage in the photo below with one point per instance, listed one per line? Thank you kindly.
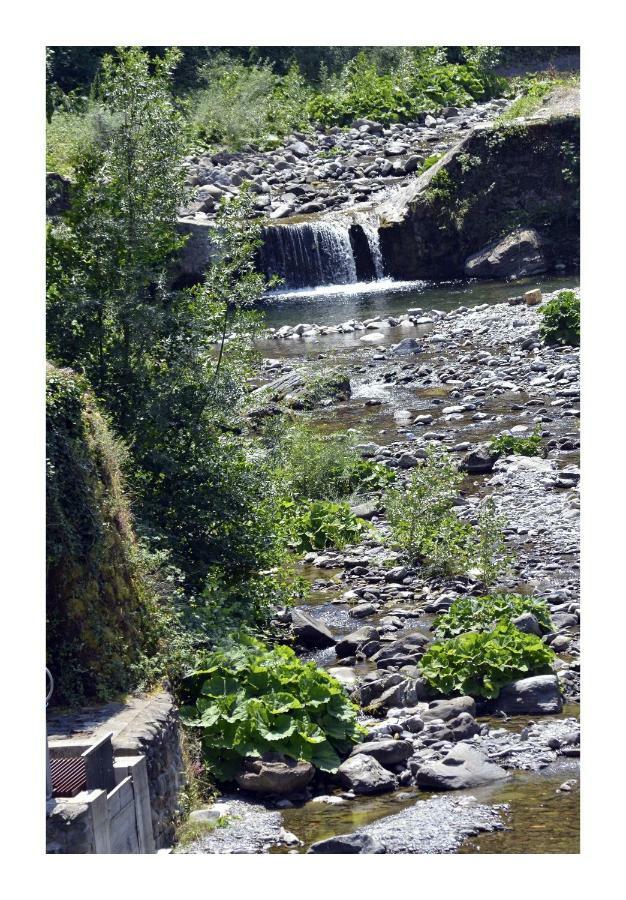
(110, 615)
(429, 162)
(318, 524)
(247, 104)
(420, 81)
(68, 134)
(322, 386)
(510, 444)
(250, 700)
(327, 466)
(482, 613)
(489, 551)
(423, 524)
(532, 90)
(479, 664)
(561, 319)
(425, 528)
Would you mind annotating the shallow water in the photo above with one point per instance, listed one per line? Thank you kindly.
(338, 303)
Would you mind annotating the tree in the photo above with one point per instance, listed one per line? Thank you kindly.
(107, 296)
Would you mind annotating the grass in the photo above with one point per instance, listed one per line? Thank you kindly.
(533, 90)
(194, 829)
(66, 134)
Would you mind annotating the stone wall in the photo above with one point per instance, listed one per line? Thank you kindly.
(144, 725)
(498, 179)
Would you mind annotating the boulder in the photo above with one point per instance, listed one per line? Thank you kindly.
(463, 726)
(349, 644)
(365, 510)
(462, 767)
(274, 773)
(348, 843)
(479, 461)
(530, 696)
(388, 752)
(449, 709)
(364, 775)
(517, 255)
(310, 632)
(528, 624)
(407, 346)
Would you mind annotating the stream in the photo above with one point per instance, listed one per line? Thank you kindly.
(535, 809)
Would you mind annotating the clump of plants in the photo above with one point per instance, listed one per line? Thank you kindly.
(425, 527)
(561, 320)
(510, 444)
(480, 663)
(480, 614)
(324, 386)
(318, 524)
(327, 466)
(248, 700)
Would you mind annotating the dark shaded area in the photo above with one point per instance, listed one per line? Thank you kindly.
(365, 269)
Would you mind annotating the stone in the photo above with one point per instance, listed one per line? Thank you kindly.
(517, 255)
(532, 298)
(363, 610)
(310, 632)
(348, 645)
(387, 752)
(299, 148)
(274, 773)
(364, 775)
(406, 346)
(348, 843)
(449, 709)
(530, 696)
(365, 510)
(461, 767)
(479, 461)
(463, 726)
(528, 624)
(408, 461)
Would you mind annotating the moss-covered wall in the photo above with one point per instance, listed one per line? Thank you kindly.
(523, 174)
(96, 612)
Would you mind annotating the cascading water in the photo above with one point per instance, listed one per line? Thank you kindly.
(309, 254)
(373, 239)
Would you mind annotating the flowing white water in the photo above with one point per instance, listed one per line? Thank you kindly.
(309, 254)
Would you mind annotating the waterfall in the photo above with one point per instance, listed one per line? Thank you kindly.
(373, 239)
(309, 254)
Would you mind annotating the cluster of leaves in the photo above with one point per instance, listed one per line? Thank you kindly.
(479, 664)
(318, 524)
(242, 104)
(421, 80)
(510, 444)
(320, 466)
(561, 319)
(482, 613)
(249, 700)
(425, 527)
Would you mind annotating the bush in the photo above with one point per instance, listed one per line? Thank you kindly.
(248, 104)
(509, 444)
(489, 550)
(479, 664)
(482, 613)
(249, 700)
(561, 319)
(319, 524)
(423, 524)
(327, 466)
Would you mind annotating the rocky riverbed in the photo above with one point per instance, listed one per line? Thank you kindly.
(464, 376)
(328, 169)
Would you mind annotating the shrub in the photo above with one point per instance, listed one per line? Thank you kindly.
(249, 700)
(479, 664)
(423, 524)
(323, 386)
(321, 523)
(489, 549)
(327, 466)
(509, 444)
(482, 613)
(561, 319)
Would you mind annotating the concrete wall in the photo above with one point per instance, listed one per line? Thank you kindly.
(144, 805)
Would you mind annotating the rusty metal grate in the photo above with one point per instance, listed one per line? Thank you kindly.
(69, 776)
